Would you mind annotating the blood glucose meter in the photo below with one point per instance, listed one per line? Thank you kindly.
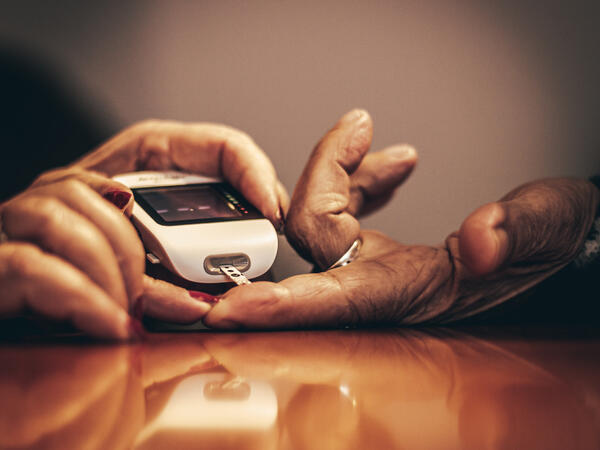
(194, 225)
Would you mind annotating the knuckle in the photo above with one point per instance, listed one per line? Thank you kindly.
(44, 209)
(21, 260)
(47, 209)
(75, 186)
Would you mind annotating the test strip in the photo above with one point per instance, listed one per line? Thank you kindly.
(234, 275)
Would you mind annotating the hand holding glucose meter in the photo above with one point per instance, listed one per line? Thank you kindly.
(196, 225)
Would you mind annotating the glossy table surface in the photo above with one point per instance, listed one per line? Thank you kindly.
(521, 388)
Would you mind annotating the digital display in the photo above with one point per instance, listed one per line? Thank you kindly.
(192, 203)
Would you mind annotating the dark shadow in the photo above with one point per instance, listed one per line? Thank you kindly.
(46, 122)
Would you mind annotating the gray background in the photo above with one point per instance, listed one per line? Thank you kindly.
(491, 95)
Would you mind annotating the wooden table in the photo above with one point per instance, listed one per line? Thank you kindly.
(478, 388)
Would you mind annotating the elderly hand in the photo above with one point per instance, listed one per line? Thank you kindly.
(501, 249)
(69, 254)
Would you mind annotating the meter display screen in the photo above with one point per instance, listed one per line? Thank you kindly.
(170, 205)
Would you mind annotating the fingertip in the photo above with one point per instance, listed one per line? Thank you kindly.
(251, 306)
(171, 303)
(115, 326)
(483, 242)
(355, 115)
(403, 152)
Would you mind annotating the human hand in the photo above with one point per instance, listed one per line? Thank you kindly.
(204, 148)
(97, 258)
(68, 254)
(502, 248)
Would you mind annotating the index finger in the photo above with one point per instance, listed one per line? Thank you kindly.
(319, 224)
(204, 148)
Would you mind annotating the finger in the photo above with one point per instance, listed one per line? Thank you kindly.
(366, 291)
(171, 303)
(378, 175)
(119, 232)
(542, 223)
(49, 223)
(115, 192)
(319, 225)
(205, 148)
(223, 151)
(284, 202)
(51, 287)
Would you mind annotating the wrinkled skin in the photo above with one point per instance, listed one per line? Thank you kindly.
(71, 255)
(501, 249)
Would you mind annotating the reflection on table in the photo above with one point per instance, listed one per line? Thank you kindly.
(304, 390)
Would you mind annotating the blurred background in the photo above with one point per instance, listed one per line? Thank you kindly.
(492, 94)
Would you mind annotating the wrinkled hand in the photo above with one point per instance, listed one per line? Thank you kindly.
(501, 249)
(70, 255)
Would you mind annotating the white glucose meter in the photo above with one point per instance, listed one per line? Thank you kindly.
(193, 225)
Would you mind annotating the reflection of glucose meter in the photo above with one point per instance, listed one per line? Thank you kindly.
(194, 225)
(212, 410)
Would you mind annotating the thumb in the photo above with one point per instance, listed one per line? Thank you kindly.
(542, 224)
(483, 241)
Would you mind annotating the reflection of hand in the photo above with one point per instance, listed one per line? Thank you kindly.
(68, 397)
(414, 389)
(501, 249)
(88, 397)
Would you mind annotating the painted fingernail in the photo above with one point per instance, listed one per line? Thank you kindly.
(204, 297)
(136, 329)
(118, 198)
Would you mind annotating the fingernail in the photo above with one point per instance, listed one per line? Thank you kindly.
(401, 152)
(136, 329)
(353, 116)
(118, 198)
(204, 297)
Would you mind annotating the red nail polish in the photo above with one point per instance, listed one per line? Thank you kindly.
(118, 198)
(136, 329)
(203, 296)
